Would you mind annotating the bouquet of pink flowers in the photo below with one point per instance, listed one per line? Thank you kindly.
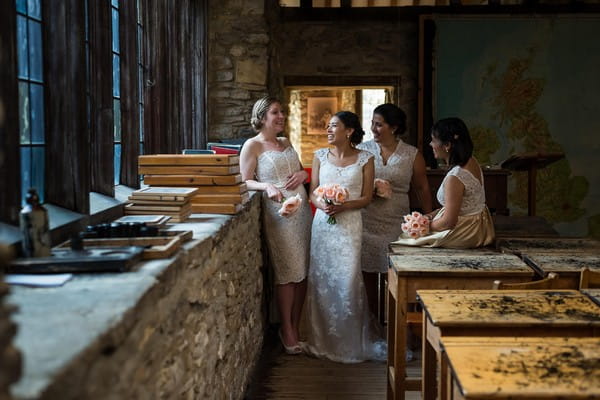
(290, 206)
(415, 225)
(331, 193)
(383, 188)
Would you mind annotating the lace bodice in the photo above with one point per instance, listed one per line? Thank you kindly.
(275, 166)
(474, 196)
(344, 176)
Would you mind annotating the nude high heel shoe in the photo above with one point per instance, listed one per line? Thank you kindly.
(292, 350)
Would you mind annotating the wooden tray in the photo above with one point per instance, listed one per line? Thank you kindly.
(193, 180)
(189, 159)
(216, 208)
(154, 247)
(189, 170)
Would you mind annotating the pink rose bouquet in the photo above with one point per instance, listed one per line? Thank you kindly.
(383, 188)
(331, 193)
(290, 206)
(415, 225)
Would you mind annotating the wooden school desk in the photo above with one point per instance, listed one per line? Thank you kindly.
(593, 294)
(412, 269)
(522, 368)
(535, 313)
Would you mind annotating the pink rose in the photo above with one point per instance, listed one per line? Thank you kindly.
(341, 195)
(290, 206)
(383, 188)
(415, 225)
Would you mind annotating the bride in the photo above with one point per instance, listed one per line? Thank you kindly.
(338, 319)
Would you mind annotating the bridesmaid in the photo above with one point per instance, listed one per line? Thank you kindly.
(403, 167)
(270, 164)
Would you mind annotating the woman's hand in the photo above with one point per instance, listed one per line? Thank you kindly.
(296, 179)
(333, 209)
(273, 193)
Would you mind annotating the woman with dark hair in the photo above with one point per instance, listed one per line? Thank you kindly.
(464, 221)
(403, 167)
(270, 164)
(338, 320)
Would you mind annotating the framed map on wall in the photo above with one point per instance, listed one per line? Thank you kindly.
(525, 84)
(319, 111)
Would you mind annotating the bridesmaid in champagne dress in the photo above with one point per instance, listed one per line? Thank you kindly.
(464, 221)
(270, 164)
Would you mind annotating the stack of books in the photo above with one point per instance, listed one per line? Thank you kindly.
(173, 202)
(216, 177)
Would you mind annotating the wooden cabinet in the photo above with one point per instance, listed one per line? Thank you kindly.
(495, 189)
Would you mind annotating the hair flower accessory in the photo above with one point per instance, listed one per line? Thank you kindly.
(456, 136)
(331, 193)
(290, 206)
(415, 225)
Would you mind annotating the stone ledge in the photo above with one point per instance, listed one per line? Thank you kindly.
(185, 327)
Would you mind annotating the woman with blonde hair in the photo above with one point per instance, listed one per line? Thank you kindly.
(270, 164)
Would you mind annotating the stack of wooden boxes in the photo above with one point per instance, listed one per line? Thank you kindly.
(216, 176)
(172, 202)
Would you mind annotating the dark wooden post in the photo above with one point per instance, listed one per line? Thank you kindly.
(10, 177)
(67, 134)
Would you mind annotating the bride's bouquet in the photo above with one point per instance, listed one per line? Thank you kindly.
(290, 205)
(383, 188)
(415, 225)
(331, 193)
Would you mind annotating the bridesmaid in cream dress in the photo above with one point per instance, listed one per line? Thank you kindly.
(270, 164)
(403, 167)
(464, 221)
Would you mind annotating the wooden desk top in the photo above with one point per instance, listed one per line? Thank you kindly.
(562, 263)
(507, 308)
(594, 294)
(465, 264)
(548, 245)
(438, 251)
(514, 368)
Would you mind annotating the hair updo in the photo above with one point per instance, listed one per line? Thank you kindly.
(350, 120)
(453, 131)
(259, 110)
(393, 116)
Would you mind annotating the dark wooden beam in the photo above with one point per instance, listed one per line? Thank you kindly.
(67, 135)
(10, 188)
(101, 96)
(130, 113)
(339, 80)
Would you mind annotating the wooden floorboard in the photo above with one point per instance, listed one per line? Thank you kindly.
(281, 376)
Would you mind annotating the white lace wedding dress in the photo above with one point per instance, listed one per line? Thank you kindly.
(339, 324)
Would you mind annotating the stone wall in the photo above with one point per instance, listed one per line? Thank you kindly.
(238, 64)
(194, 332)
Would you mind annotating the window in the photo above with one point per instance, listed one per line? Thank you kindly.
(116, 69)
(31, 96)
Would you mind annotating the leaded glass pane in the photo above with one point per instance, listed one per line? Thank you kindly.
(117, 163)
(24, 127)
(22, 47)
(21, 6)
(37, 113)
(115, 3)
(37, 170)
(115, 30)
(34, 9)
(35, 50)
(25, 172)
(117, 119)
(116, 76)
(141, 124)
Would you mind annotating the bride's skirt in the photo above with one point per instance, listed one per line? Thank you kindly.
(471, 231)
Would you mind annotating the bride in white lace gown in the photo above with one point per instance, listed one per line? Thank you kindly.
(339, 324)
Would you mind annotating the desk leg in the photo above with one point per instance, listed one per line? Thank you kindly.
(391, 337)
(397, 326)
(443, 388)
(428, 364)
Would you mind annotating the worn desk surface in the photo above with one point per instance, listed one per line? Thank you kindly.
(497, 313)
(549, 245)
(566, 264)
(523, 368)
(450, 269)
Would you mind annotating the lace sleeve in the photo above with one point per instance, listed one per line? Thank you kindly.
(321, 154)
(363, 157)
